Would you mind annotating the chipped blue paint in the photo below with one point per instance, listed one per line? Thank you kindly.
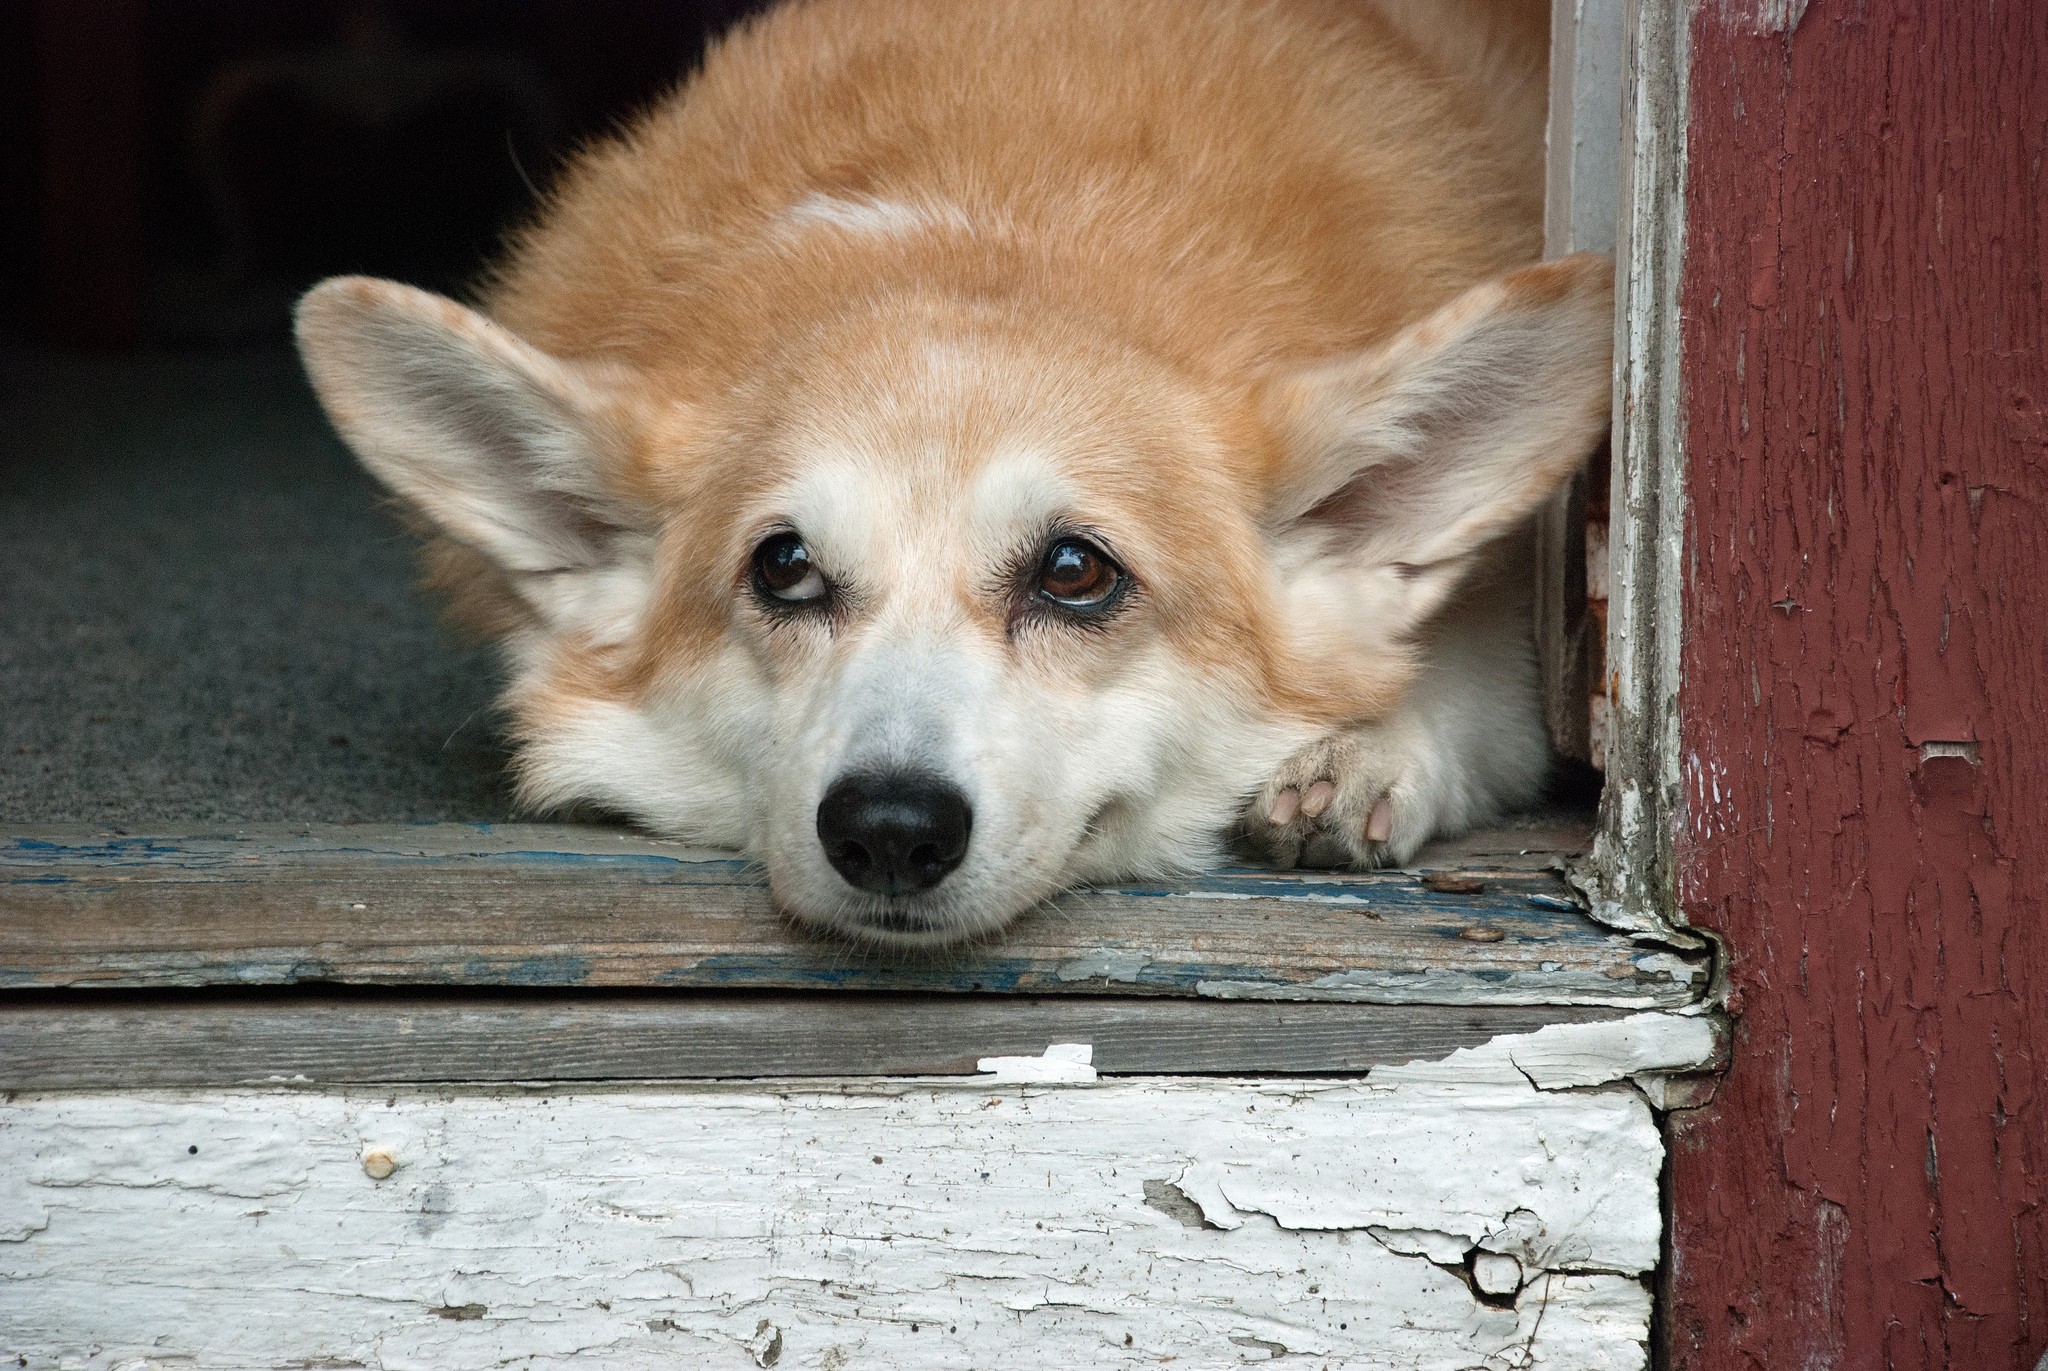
(281, 972)
(118, 849)
(559, 969)
(42, 853)
(537, 857)
(736, 971)
(545, 858)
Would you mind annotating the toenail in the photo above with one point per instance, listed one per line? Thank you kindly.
(1379, 825)
(1318, 798)
(1285, 805)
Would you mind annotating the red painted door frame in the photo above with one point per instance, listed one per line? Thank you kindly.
(1863, 707)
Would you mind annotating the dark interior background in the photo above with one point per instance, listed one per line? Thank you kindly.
(177, 169)
(205, 616)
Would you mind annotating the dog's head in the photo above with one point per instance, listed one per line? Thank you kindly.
(937, 613)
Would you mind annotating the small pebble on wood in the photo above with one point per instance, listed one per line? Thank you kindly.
(1496, 1273)
(1481, 935)
(1449, 883)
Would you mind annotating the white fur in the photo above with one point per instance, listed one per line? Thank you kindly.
(1466, 744)
(1065, 787)
(869, 216)
(1018, 490)
(606, 602)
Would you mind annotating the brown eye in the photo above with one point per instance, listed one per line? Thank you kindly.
(783, 571)
(1079, 575)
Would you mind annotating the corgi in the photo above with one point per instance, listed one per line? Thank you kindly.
(951, 452)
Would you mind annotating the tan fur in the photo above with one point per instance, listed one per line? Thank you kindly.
(1219, 216)
(1194, 254)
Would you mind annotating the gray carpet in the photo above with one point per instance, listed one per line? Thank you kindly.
(206, 618)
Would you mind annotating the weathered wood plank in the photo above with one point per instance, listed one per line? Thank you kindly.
(497, 906)
(1128, 1223)
(1631, 879)
(103, 1041)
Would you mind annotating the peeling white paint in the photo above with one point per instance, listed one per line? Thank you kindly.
(1670, 964)
(22, 1211)
(1059, 1064)
(885, 1224)
(1567, 1056)
(1442, 985)
(1108, 965)
(1630, 887)
(1448, 1190)
(1445, 1249)
(1777, 16)
(1667, 1090)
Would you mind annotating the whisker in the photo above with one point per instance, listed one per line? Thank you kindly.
(449, 741)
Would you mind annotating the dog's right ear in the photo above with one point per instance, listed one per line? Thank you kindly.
(504, 448)
(1403, 461)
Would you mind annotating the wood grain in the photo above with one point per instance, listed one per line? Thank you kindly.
(1134, 1223)
(1645, 564)
(102, 1041)
(1864, 708)
(1580, 213)
(534, 906)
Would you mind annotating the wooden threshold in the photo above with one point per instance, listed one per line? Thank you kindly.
(321, 1038)
(1483, 920)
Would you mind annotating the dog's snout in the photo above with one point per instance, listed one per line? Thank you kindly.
(894, 833)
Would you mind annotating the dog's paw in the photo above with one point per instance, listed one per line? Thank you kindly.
(1353, 798)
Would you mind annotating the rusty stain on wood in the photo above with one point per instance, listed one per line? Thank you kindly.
(1864, 709)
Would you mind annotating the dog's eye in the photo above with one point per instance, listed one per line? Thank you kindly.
(1079, 575)
(783, 571)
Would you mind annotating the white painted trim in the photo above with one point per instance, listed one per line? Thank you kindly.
(1582, 176)
(822, 1224)
(1632, 876)
(1588, 72)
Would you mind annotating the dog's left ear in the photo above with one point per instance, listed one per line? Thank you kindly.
(1403, 461)
(504, 449)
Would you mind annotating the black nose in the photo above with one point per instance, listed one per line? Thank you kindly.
(894, 833)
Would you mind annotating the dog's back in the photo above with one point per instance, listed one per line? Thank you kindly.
(1235, 183)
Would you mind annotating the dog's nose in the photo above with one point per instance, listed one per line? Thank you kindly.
(894, 834)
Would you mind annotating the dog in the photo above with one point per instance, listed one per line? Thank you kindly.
(951, 452)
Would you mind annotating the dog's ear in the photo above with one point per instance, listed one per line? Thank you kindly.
(1403, 461)
(500, 446)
